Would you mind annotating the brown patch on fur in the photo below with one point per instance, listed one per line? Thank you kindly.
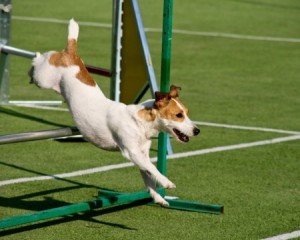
(167, 105)
(69, 57)
(147, 114)
(174, 91)
(84, 76)
(185, 109)
(173, 112)
(161, 100)
(71, 46)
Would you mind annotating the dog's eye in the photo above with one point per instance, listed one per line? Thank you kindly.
(179, 115)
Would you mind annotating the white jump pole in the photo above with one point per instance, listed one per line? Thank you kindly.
(38, 135)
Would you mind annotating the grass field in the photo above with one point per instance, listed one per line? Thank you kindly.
(237, 62)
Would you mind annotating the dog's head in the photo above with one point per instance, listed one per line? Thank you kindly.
(173, 115)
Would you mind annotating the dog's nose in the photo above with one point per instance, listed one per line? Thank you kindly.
(196, 131)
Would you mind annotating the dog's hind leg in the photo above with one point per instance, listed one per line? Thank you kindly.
(150, 184)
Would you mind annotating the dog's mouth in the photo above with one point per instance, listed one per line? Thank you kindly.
(180, 135)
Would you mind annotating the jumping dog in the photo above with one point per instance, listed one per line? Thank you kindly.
(113, 125)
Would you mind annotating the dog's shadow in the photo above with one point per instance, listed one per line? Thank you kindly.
(22, 202)
(89, 216)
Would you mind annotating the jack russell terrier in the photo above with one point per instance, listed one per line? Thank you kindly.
(112, 125)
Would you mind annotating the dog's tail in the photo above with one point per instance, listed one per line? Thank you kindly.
(72, 37)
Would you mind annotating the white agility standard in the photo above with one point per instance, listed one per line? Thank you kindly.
(112, 125)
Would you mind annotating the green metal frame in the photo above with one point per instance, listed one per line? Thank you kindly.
(110, 198)
(106, 199)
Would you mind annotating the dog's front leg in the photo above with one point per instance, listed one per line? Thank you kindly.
(144, 163)
(154, 174)
(151, 186)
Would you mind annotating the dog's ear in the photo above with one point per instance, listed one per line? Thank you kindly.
(161, 100)
(174, 91)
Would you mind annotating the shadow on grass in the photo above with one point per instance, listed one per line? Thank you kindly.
(86, 216)
(22, 202)
(29, 117)
(44, 174)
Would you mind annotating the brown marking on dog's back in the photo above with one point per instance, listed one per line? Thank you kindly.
(69, 57)
(83, 74)
(58, 59)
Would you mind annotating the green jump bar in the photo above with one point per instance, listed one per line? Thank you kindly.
(110, 198)
(48, 214)
(195, 206)
(106, 199)
(119, 198)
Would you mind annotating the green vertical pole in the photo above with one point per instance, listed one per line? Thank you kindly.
(165, 77)
(166, 46)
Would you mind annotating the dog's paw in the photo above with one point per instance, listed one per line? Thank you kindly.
(169, 185)
(166, 183)
(163, 203)
(158, 199)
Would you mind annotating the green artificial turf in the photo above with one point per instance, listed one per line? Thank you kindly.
(224, 80)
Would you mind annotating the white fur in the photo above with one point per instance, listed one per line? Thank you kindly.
(107, 124)
(73, 29)
(47, 74)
